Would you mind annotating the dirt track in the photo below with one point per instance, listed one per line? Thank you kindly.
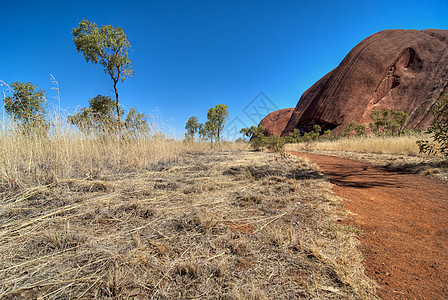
(404, 224)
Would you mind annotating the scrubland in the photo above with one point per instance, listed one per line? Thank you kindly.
(398, 153)
(153, 218)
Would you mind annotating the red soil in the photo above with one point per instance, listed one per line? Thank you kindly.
(404, 224)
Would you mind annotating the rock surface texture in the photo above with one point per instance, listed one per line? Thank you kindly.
(276, 121)
(393, 69)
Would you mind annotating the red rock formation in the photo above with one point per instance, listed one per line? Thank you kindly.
(276, 121)
(393, 69)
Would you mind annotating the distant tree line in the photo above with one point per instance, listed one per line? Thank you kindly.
(383, 123)
(211, 130)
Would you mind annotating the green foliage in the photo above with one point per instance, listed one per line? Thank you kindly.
(255, 135)
(101, 118)
(438, 130)
(312, 135)
(27, 106)
(202, 132)
(217, 117)
(275, 143)
(388, 122)
(317, 128)
(107, 46)
(328, 135)
(400, 118)
(294, 136)
(354, 127)
(258, 140)
(136, 123)
(192, 126)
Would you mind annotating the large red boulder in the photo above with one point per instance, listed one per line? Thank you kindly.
(393, 69)
(276, 121)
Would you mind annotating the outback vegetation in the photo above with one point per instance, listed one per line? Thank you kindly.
(438, 131)
(103, 204)
(107, 46)
(212, 129)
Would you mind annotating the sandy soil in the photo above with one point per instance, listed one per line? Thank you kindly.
(404, 224)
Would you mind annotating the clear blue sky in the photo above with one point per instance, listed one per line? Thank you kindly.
(191, 55)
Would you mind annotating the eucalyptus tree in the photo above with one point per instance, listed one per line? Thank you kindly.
(107, 46)
(27, 106)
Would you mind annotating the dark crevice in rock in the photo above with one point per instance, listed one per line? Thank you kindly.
(307, 126)
(407, 61)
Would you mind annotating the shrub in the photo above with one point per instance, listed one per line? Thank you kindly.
(255, 135)
(275, 143)
(438, 130)
(358, 129)
(388, 122)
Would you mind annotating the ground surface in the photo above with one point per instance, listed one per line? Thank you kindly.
(404, 224)
(218, 225)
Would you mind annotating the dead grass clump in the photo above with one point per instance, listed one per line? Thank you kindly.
(262, 232)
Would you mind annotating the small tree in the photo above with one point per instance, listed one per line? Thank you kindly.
(388, 122)
(192, 127)
(358, 129)
(294, 136)
(136, 123)
(217, 117)
(108, 46)
(202, 132)
(275, 143)
(209, 131)
(438, 130)
(99, 117)
(312, 135)
(400, 120)
(27, 106)
(255, 135)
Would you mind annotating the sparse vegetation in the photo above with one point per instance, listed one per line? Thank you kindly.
(255, 135)
(438, 131)
(108, 46)
(192, 128)
(403, 145)
(388, 122)
(353, 128)
(100, 118)
(219, 224)
(212, 129)
(27, 106)
(217, 117)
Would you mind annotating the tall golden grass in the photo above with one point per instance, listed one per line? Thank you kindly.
(66, 153)
(402, 145)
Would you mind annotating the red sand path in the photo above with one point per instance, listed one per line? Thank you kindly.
(404, 224)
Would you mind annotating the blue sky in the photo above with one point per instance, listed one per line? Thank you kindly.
(189, 56)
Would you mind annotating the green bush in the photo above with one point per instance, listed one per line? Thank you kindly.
(388, 122)
(354, 127)
(438, 130)
(275, 143)
(255, 135)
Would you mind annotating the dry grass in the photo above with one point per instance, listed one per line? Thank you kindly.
(396, 153)
(156, 219)
(26, 162)
(403, 145)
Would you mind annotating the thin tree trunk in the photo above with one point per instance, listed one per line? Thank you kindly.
(118, 109)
